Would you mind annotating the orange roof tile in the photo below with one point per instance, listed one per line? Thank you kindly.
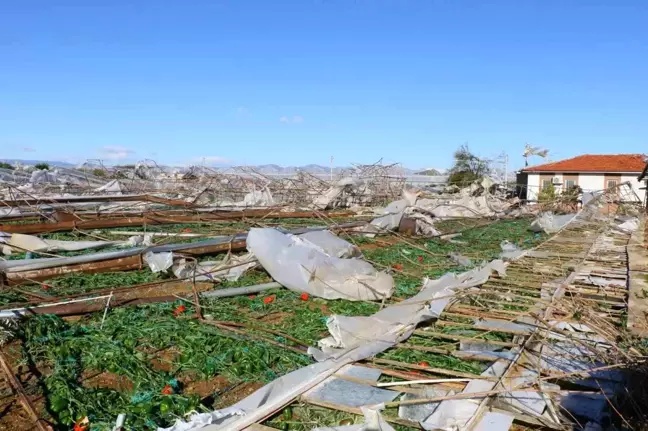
(595, 163)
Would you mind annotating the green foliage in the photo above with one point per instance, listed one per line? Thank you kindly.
(129, 340)
(99, 173)
(467, 167)
(547, 194)
(5, 165)
(42, 166)
(571, 194)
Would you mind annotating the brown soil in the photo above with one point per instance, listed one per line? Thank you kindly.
(107, 380)
(236, 394)
(321, 307)
(275, 318)
(201, 387)
(164, 359)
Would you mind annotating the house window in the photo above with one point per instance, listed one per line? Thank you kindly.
(546, 184)
(569, 184)
(611, 183)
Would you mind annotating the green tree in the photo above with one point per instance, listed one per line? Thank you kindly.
(467, 167)
(42, 166)
(5, 165)
(547, 194)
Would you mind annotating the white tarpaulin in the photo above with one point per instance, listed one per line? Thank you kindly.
(301, 266)
(401, 319)
(391, 216)
(331, 244)
(23, 243)
(231, 268)
(550, 223)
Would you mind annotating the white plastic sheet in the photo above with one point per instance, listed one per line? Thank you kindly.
(231, 268)
(393, 213)
(331, 244)
(550, 223)
(159, 262)
(303, 267)
(23, 243)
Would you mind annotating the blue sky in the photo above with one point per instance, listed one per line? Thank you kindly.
(296, 82)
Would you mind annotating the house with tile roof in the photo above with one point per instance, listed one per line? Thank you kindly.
(590, 172)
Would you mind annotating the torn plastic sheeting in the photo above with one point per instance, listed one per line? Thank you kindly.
(393, 213)
(603, 282)
(493, 421)
(349, 393)
(490, 355)
(498, 325)
(455, 414)
(324, 200)
(281, 391)
(373, 422)
(231, 268)
(630, 225)
(348, 331)
(159, 262)
(113, 187)
(257, 198)
(50, 262)
(23, 242)
(331, 244)
(510, 251)
(420, 412)
(550, 223)
(300, 266)
(460, 259)
(531, 403)
(424, 222)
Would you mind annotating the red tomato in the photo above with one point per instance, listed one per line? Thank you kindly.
(397, 267)
(167, 390)
(304, 296)
(269, 299)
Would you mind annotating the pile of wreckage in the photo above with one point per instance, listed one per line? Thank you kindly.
(562, 369)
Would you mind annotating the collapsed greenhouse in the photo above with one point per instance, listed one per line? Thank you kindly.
(147, 300)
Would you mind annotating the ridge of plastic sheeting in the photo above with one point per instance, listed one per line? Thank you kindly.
(24, 242)
(549, 222)
(331, 244)
(283, 390)
(303, 267)
(401, 319)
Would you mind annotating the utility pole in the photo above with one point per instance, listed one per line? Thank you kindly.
(331, 168)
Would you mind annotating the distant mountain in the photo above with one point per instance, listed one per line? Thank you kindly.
(269, 169)
(431, 172)
(34, 162)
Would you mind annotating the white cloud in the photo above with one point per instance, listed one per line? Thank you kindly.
(295, 119)
(111, 152)
(29, 150)
(211, 160)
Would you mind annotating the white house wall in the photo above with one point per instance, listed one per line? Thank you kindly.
(533, 186)
(587, 182)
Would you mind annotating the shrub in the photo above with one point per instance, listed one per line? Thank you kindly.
(42, 166)
(5, 165)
